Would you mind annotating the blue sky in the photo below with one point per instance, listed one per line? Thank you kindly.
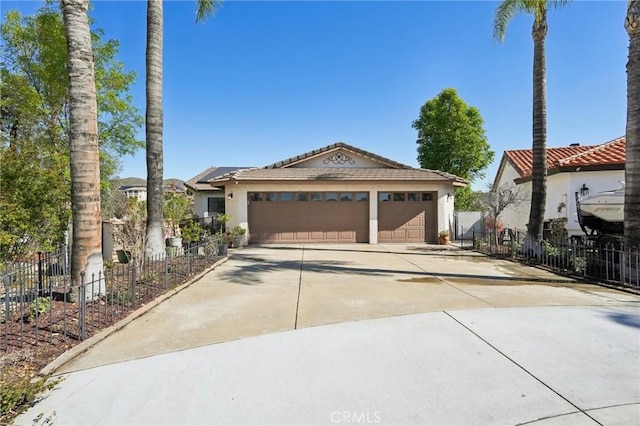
(263, 81)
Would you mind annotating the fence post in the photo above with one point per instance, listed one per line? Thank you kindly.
(7, 306)
(40, 275)
(83, 307)
(133, 284)
(166, 271)
(188, 261)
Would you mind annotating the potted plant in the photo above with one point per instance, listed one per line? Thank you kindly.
(237, 235)
(222, 241)
(191, 233)
(443, 237)
(175, 209)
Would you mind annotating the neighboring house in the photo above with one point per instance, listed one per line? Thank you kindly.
(338, 193)
(174, 188)
(573, 169)
(138, 192)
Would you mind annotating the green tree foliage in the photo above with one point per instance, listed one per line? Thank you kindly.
(34, 127)
(451, 138)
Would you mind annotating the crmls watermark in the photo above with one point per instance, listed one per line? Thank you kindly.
(355, 417)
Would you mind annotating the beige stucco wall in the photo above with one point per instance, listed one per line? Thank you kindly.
(201, 201)
(237, 206)
(358, 161)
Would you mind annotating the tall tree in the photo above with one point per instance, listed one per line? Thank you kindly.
(632, 169)
(507, 10)
(154, 119)
(34, 127)
(451, 138)
(86, 253)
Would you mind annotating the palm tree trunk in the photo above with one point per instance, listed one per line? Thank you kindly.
(539, 168)
(154, 123)
(86, 254)
(632, 168)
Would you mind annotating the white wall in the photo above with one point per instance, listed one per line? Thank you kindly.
(596, 182)
(515, 216)
(561, 188)
(237, 206)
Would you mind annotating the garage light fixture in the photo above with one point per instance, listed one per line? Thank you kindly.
(230, 196)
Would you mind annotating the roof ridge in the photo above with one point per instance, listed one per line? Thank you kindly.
(194, 180)
(335, 145)
(233, 173)
(595, 148)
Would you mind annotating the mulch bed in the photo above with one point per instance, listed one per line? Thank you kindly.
(54, 331)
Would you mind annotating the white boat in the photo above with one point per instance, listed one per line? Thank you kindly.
(607, 205)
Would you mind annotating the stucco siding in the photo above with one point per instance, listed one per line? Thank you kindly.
(237, 205)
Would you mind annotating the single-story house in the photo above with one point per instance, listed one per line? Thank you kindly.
(570, 170)
(338, 193)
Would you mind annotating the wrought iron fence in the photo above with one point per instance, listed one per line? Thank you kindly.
(603, 260)
(39, 305)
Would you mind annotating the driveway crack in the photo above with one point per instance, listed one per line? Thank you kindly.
(295, 323)
(521, 367)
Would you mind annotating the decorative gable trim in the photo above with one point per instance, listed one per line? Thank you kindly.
(340, 148)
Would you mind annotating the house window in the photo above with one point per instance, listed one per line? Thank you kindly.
(256, 196)
(346, 196)
(332, 196)
(316, 196)
(271, 196)
(384, 196)
(362, 196)
(426, 196)
(286, 196)
(413, 196)
(215, 205)
(398, 196)
(302, 196)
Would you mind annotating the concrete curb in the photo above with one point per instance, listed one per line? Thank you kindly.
(85, 345)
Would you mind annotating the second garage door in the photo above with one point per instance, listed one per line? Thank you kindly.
(296, 217)
(406, 217)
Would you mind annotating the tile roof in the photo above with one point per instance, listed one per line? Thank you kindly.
(338, 145)
(609, 153)
(341, 174)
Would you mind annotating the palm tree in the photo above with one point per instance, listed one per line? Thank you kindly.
(154, 121)
(632, 169)
(86, 254)
(504, 14)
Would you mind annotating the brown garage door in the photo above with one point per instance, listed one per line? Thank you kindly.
(406, 217)
(294, 217)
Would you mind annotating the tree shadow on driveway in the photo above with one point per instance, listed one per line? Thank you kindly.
(253, 269)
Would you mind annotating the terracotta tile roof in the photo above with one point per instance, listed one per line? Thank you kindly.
(339, 174)
(612, 152)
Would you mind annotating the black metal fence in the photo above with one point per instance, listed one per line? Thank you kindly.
(601, 260)
(40, 306)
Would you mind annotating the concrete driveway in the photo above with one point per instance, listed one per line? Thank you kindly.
(493, 342)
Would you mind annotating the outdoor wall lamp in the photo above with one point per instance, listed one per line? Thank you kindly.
(230, 196)
(584, 191)
(448, 196)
